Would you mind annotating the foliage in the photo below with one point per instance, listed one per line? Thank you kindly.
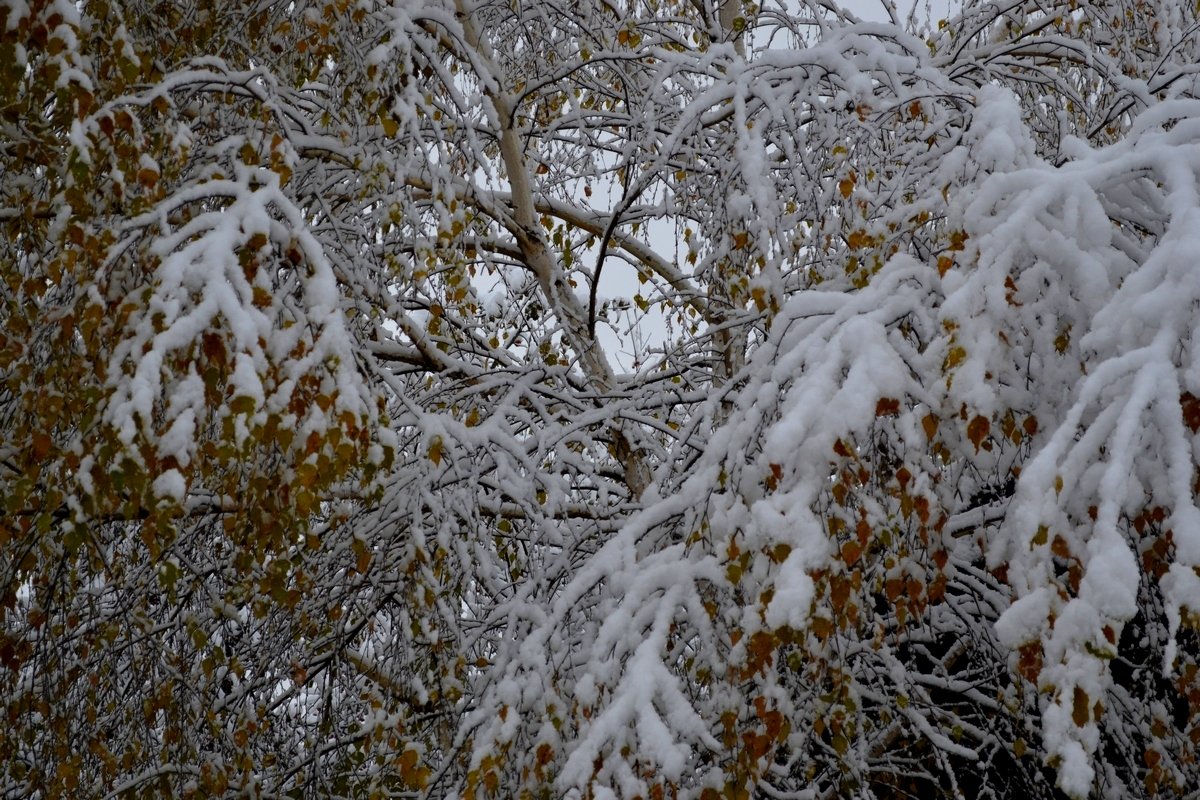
(322, 475)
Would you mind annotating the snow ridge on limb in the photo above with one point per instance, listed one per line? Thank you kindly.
(816, 384)
(1092, 292)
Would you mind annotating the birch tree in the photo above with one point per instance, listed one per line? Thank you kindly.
(319, 479)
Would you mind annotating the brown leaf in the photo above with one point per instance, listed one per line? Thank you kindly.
(41, 445)
(1190, 405)
(213, 347)
(977, 430)
(887, 407)
(1060, 547)
(850, 552)
(1030, 425)
(863, 531)
(1080, 714)
(1029, 662)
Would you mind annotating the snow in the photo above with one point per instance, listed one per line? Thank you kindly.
(83, 475)
(17, 10)
(1181, 590)
(1001, 140)
(794, 590)
(170, 485)
(1025, 620)
(245, 380)
(200, 290)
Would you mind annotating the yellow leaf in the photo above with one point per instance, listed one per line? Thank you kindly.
(846, 185)
(242, 404)
(1063, 340)
(759, 296)
(261, 297)
(858, 240)
(306, 475)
